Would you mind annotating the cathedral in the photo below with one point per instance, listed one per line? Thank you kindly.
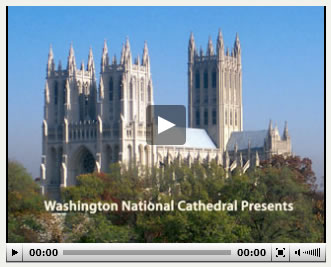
(87, 126)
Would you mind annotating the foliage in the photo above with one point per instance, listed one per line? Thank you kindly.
(279, 180)
(27, 219)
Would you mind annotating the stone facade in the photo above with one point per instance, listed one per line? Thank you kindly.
(87, 127)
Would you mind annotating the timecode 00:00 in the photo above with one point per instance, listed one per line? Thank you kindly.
(47, 252)
(255, 252)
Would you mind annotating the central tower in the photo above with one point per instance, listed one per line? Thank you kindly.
(215, 90)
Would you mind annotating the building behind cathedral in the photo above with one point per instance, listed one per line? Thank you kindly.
(87, 127)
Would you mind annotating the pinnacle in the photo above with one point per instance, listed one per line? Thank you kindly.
(105, 48)
(191, 37)
(71, 51)
(50, 54)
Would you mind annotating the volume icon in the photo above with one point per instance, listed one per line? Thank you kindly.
(313, 252)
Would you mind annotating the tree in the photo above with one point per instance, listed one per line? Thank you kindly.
(27, 219)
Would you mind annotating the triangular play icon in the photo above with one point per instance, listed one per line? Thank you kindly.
(14, 252)
(163, 125)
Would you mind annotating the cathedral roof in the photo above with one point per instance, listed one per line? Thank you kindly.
(255, 138)
(197, 138)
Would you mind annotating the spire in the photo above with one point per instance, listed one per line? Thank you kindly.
(276, 129)
(237, 44)
(220, 45)
(127, 54)
(90, 63)
(210, 48)
(145, 59)
(71, 50)
(127, 45)
(71, 66)
(237, 49)
(286, 134)
(104, 58)
(50, 53)
(191, 48)
(122, 54)
(270, 127)
(50, 62)
(105, 48)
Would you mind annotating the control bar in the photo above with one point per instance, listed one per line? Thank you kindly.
(166, 252)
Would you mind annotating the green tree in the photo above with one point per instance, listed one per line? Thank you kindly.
(27, 219)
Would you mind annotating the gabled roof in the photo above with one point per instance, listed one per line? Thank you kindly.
(197, 138)
(256, 139)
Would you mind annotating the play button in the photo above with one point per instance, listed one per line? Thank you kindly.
(14, 252)
(163, 125)
(166, 125)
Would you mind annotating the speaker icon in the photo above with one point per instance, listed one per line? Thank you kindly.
(313, 252)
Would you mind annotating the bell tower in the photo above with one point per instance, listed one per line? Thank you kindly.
(215, 89)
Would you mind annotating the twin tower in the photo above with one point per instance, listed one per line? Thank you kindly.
(86, 126)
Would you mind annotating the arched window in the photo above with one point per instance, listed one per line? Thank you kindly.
(205, 79)
(64, 94)
(86, 106)
(235, 118)
(214, 116)
(120, 88)
(142, 90)
(129, 154)
(205, 117)
(197, 79)
(149, 93)
(146, 156)
(56, 92)
(131, 90)
(197, 95)
(206, 96)
(231, 117)
(197, 117)
(226, 117)
(214, 79)
(111, 89)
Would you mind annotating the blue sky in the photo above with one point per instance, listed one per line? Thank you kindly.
(282, 57)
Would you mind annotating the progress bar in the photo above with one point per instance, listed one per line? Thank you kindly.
(146, 252)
